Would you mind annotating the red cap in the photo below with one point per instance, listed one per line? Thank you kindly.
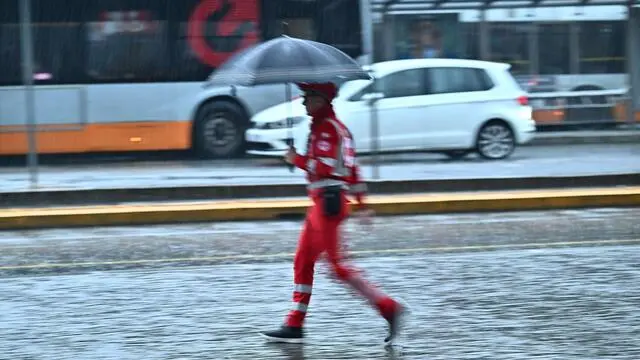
(327, 90)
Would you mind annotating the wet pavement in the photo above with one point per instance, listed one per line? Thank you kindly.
(527, 285)
(63, 250)
(569, 160)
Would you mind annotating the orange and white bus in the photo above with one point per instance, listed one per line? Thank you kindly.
(128, 75)
(578, 53)
(568, 48)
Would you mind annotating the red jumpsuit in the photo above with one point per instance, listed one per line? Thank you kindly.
(329, 161)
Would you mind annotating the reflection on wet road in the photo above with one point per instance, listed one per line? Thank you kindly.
(509, 303)
(579, 303)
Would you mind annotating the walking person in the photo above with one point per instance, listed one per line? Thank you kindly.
(330, 164)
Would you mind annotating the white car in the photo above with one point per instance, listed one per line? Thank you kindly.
(451, 106)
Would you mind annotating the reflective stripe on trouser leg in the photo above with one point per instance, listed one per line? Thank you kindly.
(301, 298)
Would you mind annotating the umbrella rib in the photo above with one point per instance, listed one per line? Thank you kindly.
(327, 54)
(317, 46)
(307, 56)
(335, 54)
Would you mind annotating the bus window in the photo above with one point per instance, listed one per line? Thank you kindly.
(471, 33)
(602, 47)
(56, 59)
(509, 44)
(204, 36)
(328, 21)
(9, 44)
(338, 23)
(126, 41)
(10, 70)
(56, 33)
(554, 47)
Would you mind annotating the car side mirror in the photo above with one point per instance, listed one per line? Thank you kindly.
(371, 98)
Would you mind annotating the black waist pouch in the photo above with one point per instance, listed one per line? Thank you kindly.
(332, 200)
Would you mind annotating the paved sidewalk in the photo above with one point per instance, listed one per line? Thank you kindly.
(526, 162)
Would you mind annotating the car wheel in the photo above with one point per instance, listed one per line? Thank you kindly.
(219, 130)
(495, 141)
(456, 154)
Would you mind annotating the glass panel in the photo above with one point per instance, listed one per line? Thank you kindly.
(554, 49)
(403, 83)
(127, 45)
(451, 80)
(57, 43)
(432, 36)
(602, 47)
(509, 43)
(10, 69)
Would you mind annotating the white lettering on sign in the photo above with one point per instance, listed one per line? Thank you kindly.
(126, 22)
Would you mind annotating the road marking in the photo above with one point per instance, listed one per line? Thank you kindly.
(290, 255)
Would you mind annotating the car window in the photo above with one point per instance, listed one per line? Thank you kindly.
(452, 80)
(399, 84)
(403, 83)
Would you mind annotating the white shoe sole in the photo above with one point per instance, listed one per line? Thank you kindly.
(282, 340)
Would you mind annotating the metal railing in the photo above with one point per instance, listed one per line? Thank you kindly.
(583, 108)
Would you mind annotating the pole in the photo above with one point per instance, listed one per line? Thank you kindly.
(374, 128)
(289, 121)
(366, 23)
(633, 52)
(287, 98)
(26, 42)
(485, 45)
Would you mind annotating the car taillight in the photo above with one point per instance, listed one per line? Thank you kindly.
(523, 100)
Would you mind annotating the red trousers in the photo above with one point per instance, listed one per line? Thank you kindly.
(320, 235)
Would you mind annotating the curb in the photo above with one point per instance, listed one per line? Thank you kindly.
(248, 210)
(558, 138)
(218, 192)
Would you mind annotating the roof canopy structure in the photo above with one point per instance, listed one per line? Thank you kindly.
(386, 6)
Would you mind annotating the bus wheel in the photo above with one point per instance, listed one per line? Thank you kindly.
(219, 130)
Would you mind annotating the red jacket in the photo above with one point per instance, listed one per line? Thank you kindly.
(331, 157)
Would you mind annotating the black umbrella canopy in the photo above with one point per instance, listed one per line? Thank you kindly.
(287, 60)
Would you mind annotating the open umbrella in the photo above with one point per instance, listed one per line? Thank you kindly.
(287, 60)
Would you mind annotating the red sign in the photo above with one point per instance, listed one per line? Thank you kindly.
(237, 20)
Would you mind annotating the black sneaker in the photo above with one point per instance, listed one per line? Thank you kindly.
(286, 334)
(395, 322)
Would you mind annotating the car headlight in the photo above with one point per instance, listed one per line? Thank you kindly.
(280, 124)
